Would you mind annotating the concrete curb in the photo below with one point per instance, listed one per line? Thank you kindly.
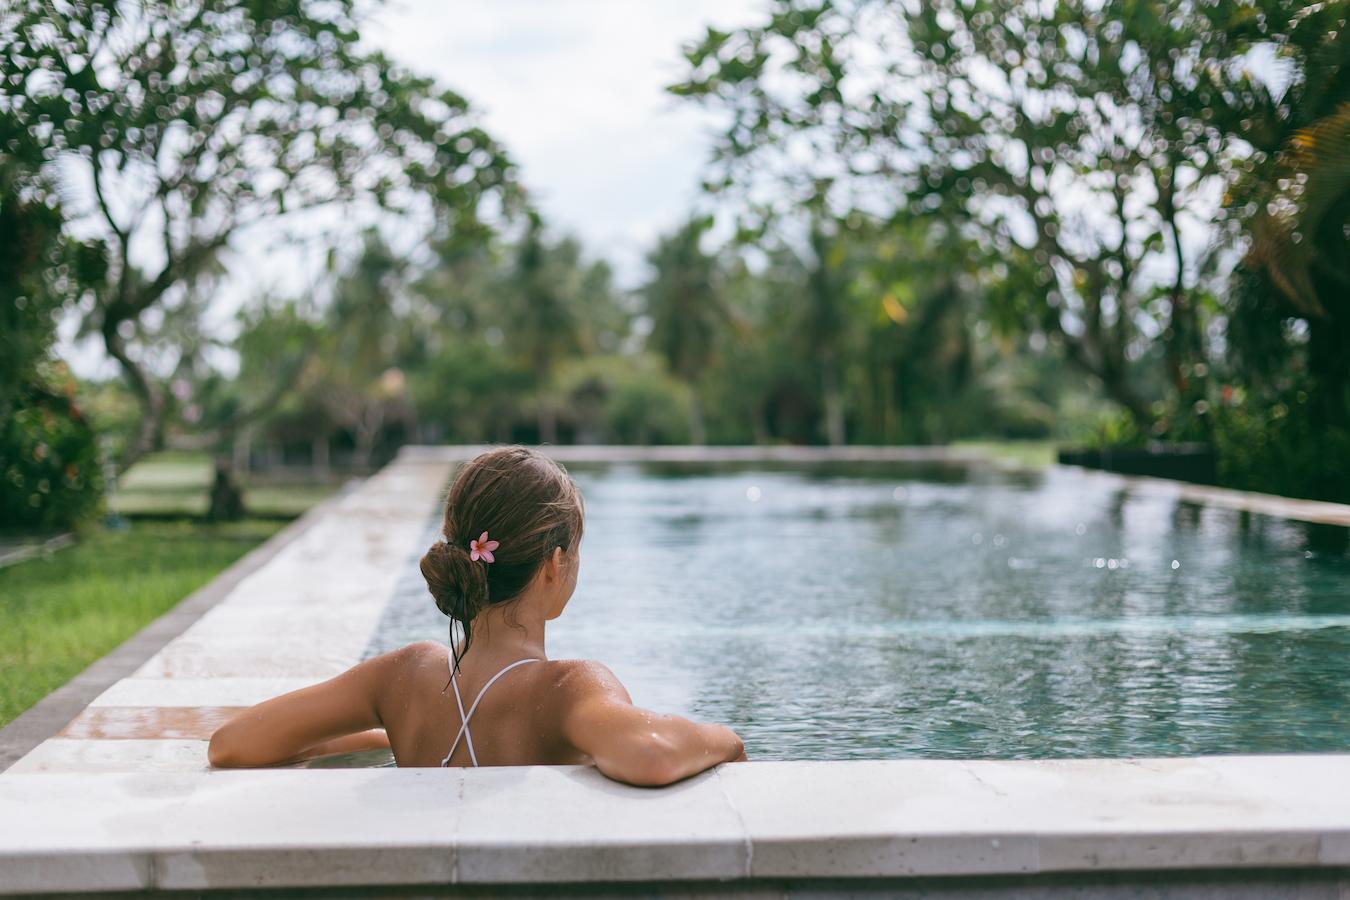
(28, 551)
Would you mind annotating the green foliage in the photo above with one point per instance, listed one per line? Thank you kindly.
(1289, 210)
(1113, 429)
(623, 399)
(1066, 142)
(471, 391)
(194, 122)
(498, 322)
(1283, 448)
(982, 115)
(28, 304)
(49, 473)
(49, 465)
(683, 300)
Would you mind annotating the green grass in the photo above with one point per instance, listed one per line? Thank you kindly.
(177, 483)
(60, 613)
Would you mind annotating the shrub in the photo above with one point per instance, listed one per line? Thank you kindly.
(49, 471)
(1281, 448)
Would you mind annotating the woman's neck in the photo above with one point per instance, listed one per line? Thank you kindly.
(515, 629)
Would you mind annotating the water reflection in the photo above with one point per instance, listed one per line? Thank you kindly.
(882, 611)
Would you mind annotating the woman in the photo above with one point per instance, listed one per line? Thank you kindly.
(508, 565)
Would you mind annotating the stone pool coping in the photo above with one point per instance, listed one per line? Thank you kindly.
(119, 796)
(738, 822)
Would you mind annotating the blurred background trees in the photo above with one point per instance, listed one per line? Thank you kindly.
(1118, 221)
(167, 130)
(1135, 181)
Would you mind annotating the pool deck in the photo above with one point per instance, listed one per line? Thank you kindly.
(116, 795)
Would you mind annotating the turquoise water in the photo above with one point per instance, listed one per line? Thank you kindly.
(867, 612)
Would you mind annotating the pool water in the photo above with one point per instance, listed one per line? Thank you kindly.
(869, 612)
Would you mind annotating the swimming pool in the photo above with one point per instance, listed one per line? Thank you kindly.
(869, 611)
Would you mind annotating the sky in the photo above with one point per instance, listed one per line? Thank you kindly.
(575, 91)
(574, 88)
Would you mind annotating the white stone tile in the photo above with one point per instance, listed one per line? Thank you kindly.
(70, 756)
(873, 819)
(1206, 812)
(1184, 793)
(254, 657)
(63, 833)
(294, 590)
(1153, 814)
(297, 828)
(197, 691)
(570, 823)
(337, 621)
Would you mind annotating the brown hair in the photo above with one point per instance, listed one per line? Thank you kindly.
(524, 501)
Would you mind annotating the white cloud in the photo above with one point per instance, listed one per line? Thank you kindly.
(575, 90)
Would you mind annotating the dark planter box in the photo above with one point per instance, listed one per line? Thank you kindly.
(1184, 462)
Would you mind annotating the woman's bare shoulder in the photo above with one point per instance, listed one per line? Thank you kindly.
(413, 659)
(580, 678)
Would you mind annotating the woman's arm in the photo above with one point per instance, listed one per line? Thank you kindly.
(635, 745)
(374, 739)
(334, 716)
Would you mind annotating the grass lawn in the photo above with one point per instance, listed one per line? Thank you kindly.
(1027, 453)
(60, 613)
(178, 484)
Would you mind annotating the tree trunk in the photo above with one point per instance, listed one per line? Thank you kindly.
(759, 426)
(834, 403)
(150, 432)
(319, 457)
(227, 500)
(1329, 364)
(548, 422)
(243, 449)
(697, 434)
(1112, 379)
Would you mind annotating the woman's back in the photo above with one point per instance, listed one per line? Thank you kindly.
(517, 720)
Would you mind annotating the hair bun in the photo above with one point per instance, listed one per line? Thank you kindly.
(458, 584)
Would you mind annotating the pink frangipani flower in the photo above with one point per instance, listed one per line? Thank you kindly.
(482, 548)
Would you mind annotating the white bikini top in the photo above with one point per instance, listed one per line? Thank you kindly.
(464, 717)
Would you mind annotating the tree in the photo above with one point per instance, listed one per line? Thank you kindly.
(180, 126)
(49, 474)
(1291, 209)
(543, 324)
(686, 310)
(1069, 139)
(362, 385)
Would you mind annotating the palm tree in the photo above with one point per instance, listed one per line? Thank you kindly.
(686, 311)
(545, 326)
(826, 321)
